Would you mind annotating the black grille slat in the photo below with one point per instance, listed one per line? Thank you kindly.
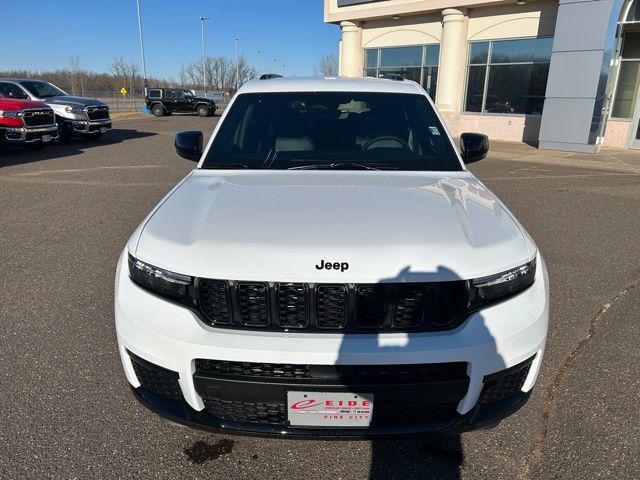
(249, 369)
(38, 117)
(254, 304)
(370, 306)
(410, 306)
(333, 307)
(331, 301)
(215, 302)
(292, 305)
(450, 301)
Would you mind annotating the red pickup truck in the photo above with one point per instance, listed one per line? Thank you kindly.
(24, 122)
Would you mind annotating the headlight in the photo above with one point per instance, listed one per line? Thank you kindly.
(158, 280)
(9, 113)
(79, 109)
(489, 290)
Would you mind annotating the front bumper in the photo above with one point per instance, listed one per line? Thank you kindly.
(180, 412)
(491, 343)
(31, 135)
(91, 126)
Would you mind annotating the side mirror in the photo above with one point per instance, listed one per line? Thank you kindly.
(189, 145)
(473, 147)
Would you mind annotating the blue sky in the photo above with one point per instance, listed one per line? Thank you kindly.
(98, 31)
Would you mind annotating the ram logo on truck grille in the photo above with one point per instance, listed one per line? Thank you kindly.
(38, 118)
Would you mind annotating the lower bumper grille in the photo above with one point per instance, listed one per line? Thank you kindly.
(247, 403)
(270, 413)
(383, 415)
(404, 395)
(158, 380)
(505, 384)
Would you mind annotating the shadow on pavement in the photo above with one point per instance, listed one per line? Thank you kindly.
(15, 155)
(428, 456)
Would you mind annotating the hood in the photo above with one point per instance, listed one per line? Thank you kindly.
(280, 225)
(14, 104)
(202, 99)
(71, 101)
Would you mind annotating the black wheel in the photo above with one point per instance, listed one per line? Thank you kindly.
(212, 111)
(64, 133)
(92, 136)
(158, 110)
(203, 111)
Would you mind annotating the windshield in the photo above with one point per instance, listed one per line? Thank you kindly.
(188, 93)
(341, 130)
(42, 89)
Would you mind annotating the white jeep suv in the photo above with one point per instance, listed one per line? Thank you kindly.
(331, 269)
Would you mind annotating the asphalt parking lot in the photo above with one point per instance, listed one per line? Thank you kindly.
(67, 412)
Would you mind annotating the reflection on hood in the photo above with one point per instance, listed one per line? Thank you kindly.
(72, 101)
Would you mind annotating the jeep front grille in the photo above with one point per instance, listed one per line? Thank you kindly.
(331, 308)
(38, 117)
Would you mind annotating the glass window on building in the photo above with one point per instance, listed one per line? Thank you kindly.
(418, 63)
(508, 76)
(628, 77)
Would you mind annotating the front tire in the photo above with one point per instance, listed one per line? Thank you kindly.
(203, 111)
(158, 110)
(64, 133)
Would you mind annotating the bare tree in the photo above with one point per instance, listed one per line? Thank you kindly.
(182, 75)
(119, 70)
(328, 65)
(245, 72)
(220, 72)
(132, 72)
(74, 62)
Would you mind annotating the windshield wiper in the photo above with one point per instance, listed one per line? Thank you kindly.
(345, 166)
(220, 166)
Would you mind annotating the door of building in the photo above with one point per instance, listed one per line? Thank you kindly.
(634, 132)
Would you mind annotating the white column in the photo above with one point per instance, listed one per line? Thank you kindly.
(452, 59)
(351, 65)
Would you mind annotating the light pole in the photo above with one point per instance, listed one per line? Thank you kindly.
(284, 69)
(237, 65)
(275, 65)
(204, 67)
(144, 65)
(259, 61)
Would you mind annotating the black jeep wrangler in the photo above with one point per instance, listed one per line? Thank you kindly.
(165, 101)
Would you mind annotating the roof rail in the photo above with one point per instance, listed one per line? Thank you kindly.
(392, 76)
(269, 76)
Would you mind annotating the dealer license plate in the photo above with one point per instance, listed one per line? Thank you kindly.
(327, 409)
(46, 138)
(103, 130)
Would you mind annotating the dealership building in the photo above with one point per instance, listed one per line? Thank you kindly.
(562, 75)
